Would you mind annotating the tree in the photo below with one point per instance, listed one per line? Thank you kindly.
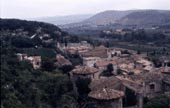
(68, 102)
(110, 68)
(48, 64)
(82, 85)
(138, 52)
(158, 102)
(108, 72)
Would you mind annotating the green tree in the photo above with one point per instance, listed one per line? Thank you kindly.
(158, 102)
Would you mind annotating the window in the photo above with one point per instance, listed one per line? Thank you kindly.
(152, 86)
(37, 63)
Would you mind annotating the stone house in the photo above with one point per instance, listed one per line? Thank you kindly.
(99, 51)
(90, 61)
(114, 52)
(106, 98)
(102, 65)
(21, 57)
(166, 82)
(62, 61)
(143, 63)
(85, 72)
(152, 83)
(81, 47)
(165, 71)
(35, 61)
(120, 84)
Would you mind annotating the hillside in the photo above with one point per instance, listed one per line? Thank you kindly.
(31, 33)
(106, 17)
(145, 18)
(123, 18)
(62, 20)
(29, 26)
(22, 85)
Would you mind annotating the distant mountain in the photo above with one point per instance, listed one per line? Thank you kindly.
(61, 20)
(103, 18)
(131, 17)
(146, 17)
(107, 17)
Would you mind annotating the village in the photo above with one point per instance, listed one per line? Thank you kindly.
(114, 73)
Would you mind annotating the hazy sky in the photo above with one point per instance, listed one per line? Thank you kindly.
(39, 8)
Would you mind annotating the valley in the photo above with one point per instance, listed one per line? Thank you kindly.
(114, 59)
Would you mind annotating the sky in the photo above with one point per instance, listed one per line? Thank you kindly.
(44, 8)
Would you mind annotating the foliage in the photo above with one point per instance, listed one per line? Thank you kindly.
(24, 87)
(21, 85)
(130, 99)
(48, 64)
(22, 42)
(43, 52)
(82, 85)
(137, 36)
(108, 72)
(158, 102)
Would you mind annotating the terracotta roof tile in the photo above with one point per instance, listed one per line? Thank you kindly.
(110, 82)
(104, 63)
(84, 70)
(106, 94)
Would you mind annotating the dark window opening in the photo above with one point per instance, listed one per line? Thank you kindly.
(152, 86)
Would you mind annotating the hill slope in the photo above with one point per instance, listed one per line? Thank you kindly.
(22, 86)
(40, 31)
(131, 17)
(148, 17)
(61, 20)
(106, 17)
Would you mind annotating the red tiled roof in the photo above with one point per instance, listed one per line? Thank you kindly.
(84, 70)
(106, 94)
(104, 63)
(110, 82)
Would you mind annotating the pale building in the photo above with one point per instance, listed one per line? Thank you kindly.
(102, 65)
(62, 61)
(90, 61)
(120, 84)
(142, 63)
(85, 72)
(35, 61)
(106, 98)
(21, 57)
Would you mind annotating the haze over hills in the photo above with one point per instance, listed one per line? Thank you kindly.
(107, 17)
(62, 20)
(131, 17)
(148, 17)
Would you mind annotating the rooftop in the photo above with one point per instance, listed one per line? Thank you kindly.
(61, 60)
(133, 85)
(146, 77)
(106, 94)
(91, 58)
(105, 63)
(35, 58)
(165, 69)
(84, 70)
(100, 51)
(110, 82)
(144, 62)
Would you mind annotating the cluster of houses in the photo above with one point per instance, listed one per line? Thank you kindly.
(75, 48)
(131, 71)
(34, 60)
